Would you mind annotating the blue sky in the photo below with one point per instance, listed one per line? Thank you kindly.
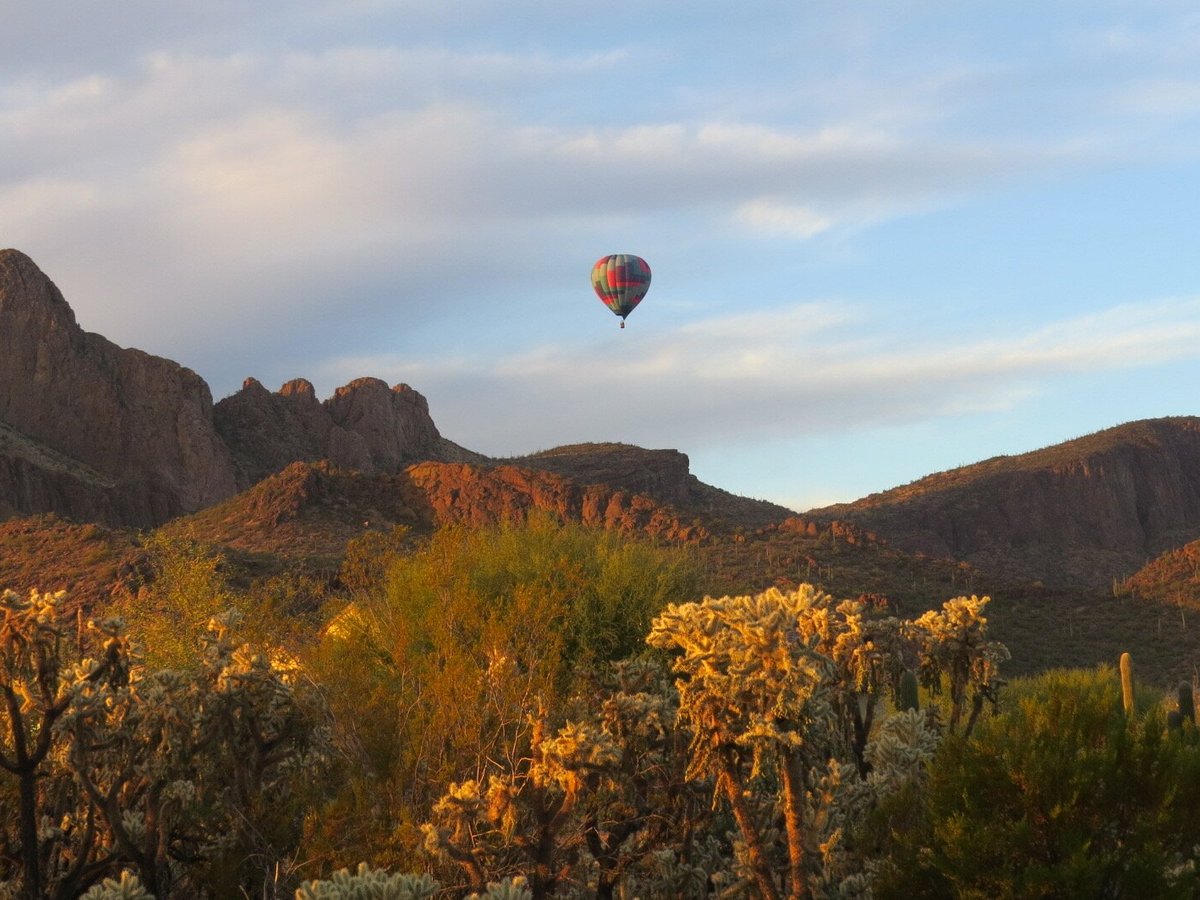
(887, 239)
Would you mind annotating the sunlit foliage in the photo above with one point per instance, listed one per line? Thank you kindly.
(437, 672)
(186, 777)
(778, 691)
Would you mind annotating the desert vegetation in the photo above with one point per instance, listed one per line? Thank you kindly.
(541, 709)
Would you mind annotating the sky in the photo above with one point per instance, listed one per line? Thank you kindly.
(887, 239)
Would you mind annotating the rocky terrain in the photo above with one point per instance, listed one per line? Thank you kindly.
(1084, 512)
(93, 430)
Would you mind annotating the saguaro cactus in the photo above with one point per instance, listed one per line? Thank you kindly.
(1187, 704)
(907, 697)
(1127, 683)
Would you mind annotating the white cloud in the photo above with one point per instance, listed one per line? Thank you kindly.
(799, 370)
(790, 220)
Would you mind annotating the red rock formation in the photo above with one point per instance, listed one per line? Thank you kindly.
(478, 496)
(365, 425)
(98, 431)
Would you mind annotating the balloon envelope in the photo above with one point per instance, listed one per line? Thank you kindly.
(621, 281)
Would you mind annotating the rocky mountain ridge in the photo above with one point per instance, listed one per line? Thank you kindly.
(95, 432)
(1084, 512)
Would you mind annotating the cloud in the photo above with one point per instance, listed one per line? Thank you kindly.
(290, 190)
(800, 370)
(771, 216)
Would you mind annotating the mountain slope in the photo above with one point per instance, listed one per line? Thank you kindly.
(310, 510)
(663, 475)
(1079, 513)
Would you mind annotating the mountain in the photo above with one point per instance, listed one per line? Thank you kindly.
(1084, 512)
(91, 430)
(95, 432)
(365, 425)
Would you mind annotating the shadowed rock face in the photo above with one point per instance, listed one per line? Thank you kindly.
(1082, 512)
(365, 426)
(96, 431)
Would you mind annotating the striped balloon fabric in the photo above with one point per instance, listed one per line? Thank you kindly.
(621, 281)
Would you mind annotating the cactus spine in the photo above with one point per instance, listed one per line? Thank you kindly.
(1127, 683)
(906, 693)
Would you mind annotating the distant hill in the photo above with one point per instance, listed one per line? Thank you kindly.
(660, 474)
(1172, 578)
(1080, 513)
(309, 511)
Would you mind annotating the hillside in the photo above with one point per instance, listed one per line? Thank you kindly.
(90, 562)
(1172, 578)
(308, 512)
(1081, 513)
(663, 475)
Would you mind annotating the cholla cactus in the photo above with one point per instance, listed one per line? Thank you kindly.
(127, 887)
(588, 807)
(953, 645)
(42, 683)
(199, 753)
(509, 889)
(789, 682)
(751, 686)
(902, 749)
(368, 884)
(521, 818)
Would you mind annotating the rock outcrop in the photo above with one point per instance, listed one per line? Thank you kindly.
(365, 426)
(92, 430)
(311, 510)
(486, 495)
(663, 475)
(1083, 512)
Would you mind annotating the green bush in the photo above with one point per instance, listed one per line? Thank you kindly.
(1058, 796)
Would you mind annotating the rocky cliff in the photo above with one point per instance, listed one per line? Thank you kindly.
(1083, 512)
(92, 430)
(365, 425)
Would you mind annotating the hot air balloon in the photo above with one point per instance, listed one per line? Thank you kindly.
(621, 281)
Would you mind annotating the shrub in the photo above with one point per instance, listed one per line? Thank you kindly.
(1059, 795)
